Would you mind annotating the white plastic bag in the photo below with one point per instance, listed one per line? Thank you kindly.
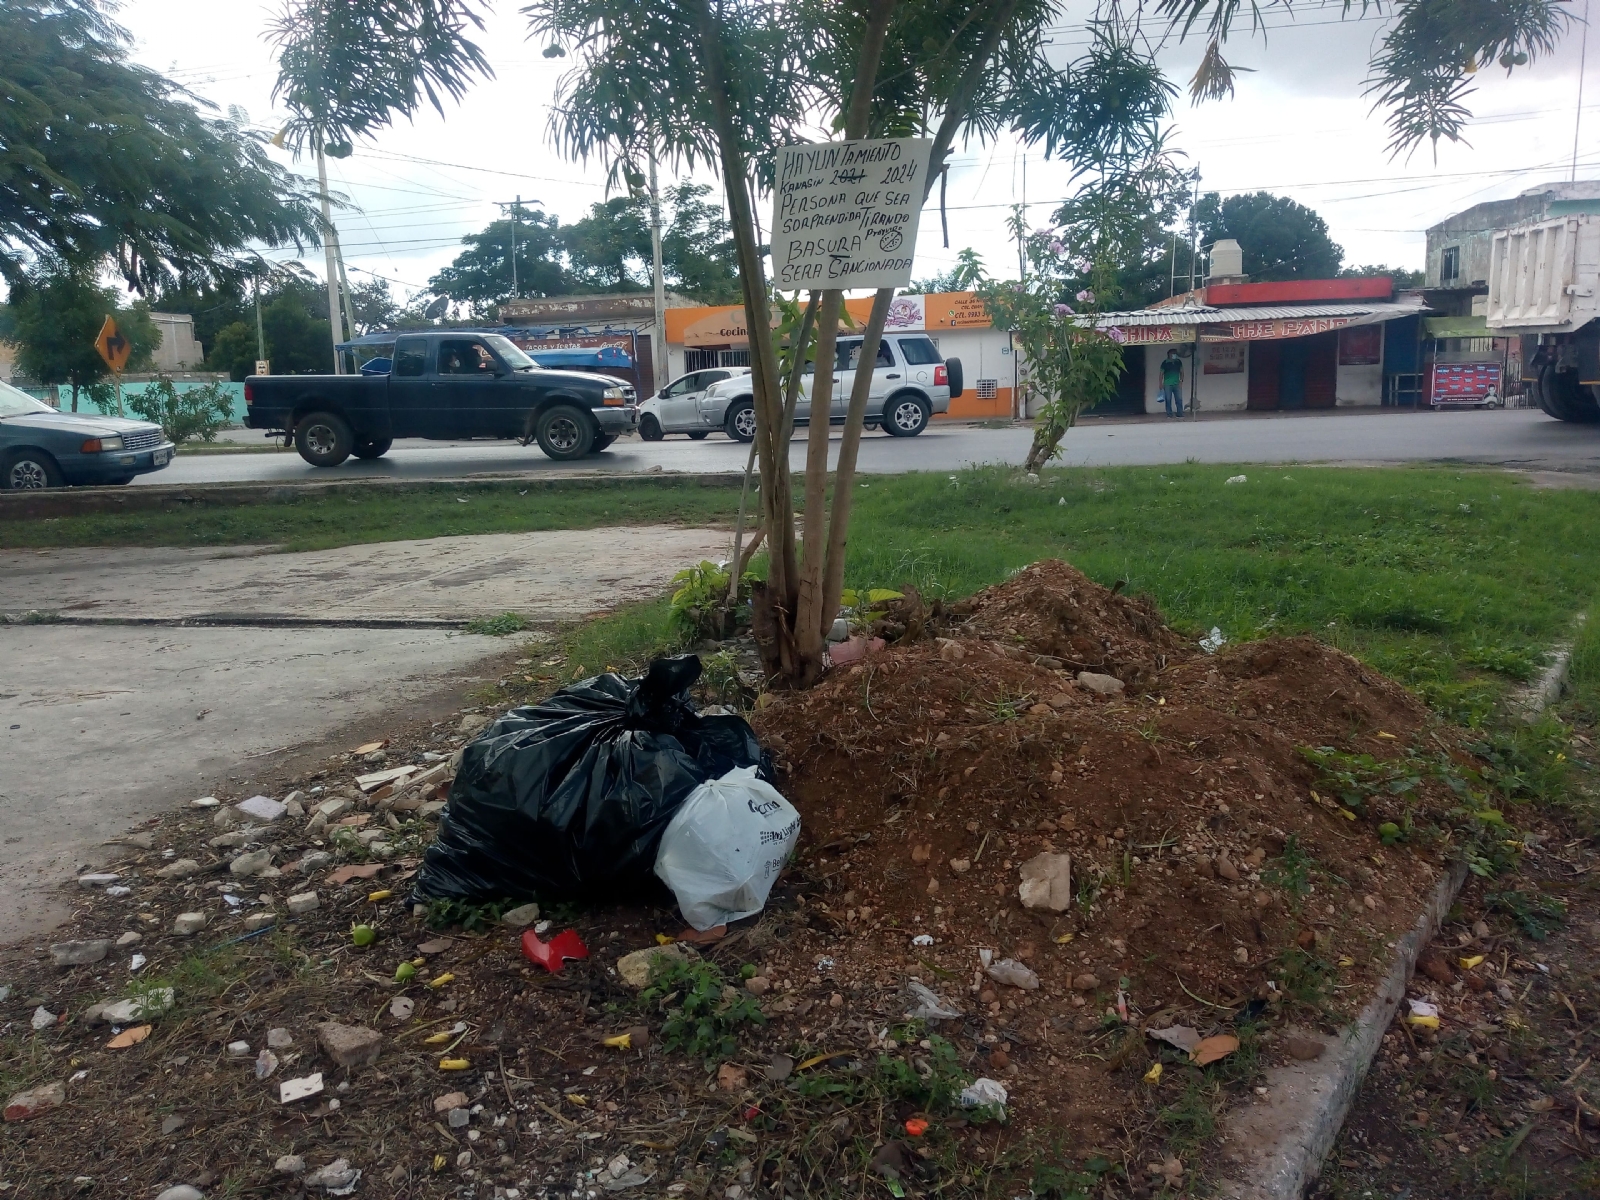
(723, 850)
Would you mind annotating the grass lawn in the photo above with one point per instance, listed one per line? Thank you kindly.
(1453, 582)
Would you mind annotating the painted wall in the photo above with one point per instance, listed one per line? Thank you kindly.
(1355, 386)
(1216, 392)
(234, 390)
(986, 368)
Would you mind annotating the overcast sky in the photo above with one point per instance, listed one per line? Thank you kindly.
(1297, 126)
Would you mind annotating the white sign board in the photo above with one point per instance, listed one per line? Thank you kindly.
(845, 214)
(263, 367)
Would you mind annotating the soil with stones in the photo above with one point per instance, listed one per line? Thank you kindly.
(1213, 886)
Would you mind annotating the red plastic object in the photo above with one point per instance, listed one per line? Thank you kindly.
(553, 955)
(916, 1127)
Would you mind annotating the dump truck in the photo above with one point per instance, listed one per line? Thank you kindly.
(1544, 287)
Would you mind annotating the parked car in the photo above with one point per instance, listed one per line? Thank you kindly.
(910, 382)
(444, 385)
(676, 407)
(41, 447)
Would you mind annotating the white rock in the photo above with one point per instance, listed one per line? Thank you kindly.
(328, 810)
(338, 1178)
(130, 939)
(401, 1008)
(521, 916)
(1047, 882)
(179, 868)
(291, 1090)
(303, 902)
(1101, 685)
(182, 1192)
(266, 1063)
(188, 923)
(139, 1008)
(205, 802)
(98, 879)
(290, 1164)
(262, 808)
(251, 863)
(43, 1018)
(279, 1038)
(238, 1049)
(117, 891)
(260, 920)
(76, 954)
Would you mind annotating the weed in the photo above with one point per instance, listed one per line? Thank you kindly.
(1514, 664)
(1291, 871)
(504, 625)
(1306, 979)
(1191, 1121)
(1056, 1180)
(473, 918)
(699, 593)
(704, 1014)
(719, 679)
(1007, 708)
(1536, 912)
(1358, 779)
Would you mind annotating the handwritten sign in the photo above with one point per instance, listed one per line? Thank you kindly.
(845, 214)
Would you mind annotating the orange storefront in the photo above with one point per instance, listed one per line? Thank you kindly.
(957, 322)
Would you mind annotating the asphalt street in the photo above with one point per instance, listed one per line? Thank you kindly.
(1512, 437)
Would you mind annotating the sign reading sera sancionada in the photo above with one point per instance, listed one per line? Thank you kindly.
(844, 214)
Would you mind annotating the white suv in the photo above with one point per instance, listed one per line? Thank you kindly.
(675, 408)
(910, 383)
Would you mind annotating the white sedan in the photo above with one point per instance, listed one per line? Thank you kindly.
(676, 409)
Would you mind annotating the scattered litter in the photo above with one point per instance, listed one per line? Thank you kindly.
(916, 1127)
(1013, 974)
(568, 798)
(722, 851)
(1236, 479)
(1423, 1015)
(374, 781)
(982, 1093)
(129, 1037)
(1181, 1037)
(555, 953)
(34, 1101)
(1209, 1050)
(338, 1178)
(291, 1090)
(266, 1063)
(345, 874)
(1153, 1075)
(1213, 641)
(401, 1007)
(926, 1004)
(922, 939)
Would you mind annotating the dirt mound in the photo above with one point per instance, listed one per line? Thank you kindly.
(1209, 878)
(1055, 610)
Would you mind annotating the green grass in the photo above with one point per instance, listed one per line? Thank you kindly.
(357, 516)
(1454, 582)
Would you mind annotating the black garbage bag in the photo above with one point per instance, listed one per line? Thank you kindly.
(567, 799)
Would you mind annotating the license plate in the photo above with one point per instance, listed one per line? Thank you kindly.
(160, 457)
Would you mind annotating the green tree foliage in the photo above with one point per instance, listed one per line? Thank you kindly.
(294, 322)
(346, 68)
(184, 413)
(55, 316)
(101, 158)
(1404, 277)
(1281, 239)
(966, 275)
(608, 250)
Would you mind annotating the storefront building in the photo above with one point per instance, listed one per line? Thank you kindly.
(957, 322)
(1300, 344)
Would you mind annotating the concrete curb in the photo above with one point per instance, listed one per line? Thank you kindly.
(1546, 690)
(1275, 1146)
(72, 502)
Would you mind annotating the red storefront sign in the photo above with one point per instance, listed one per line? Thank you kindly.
(1279, 327)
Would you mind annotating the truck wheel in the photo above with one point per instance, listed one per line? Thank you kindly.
(740, 423)
(565, 432)
(650, 428)
(29, 470)
(372, 448)
(602, 442)
(323, 439)
(1561, 396)
(906, 415)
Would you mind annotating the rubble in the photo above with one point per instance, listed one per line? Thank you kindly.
(303, 902)
(350, 1045)
(23, 1106)
(1047, 882)
(77, 954)
(188, 923)
(179, 868)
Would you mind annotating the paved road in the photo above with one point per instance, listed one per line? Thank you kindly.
(103, 726)
(1516, 437)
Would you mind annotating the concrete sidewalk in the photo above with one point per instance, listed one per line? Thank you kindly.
(552, 576)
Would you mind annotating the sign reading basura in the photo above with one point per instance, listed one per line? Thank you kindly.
(845, 214)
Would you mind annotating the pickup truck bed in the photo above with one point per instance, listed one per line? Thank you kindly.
(444, 385)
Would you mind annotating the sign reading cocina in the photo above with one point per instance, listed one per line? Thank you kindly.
(1156, 335)
(845, 214)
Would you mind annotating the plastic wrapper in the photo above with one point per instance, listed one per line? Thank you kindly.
(567, 799)
(723, 850)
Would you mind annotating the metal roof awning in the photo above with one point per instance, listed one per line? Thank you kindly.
(1202, 314)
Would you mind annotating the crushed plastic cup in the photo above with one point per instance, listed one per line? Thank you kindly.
(554, 954)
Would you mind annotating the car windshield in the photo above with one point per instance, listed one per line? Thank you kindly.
(14, 403)
(509, 354)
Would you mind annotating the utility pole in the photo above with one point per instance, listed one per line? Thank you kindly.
(1194, 230)
(1577, 117)
(261, 338)
(344, 286)
(516, 211)
(658, 336)
(330, 258)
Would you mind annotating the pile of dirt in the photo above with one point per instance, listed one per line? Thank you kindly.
(1212, 885)
(1209, 879)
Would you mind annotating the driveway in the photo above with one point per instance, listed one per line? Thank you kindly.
(102, 726)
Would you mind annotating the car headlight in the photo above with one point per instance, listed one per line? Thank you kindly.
(102, 445)
(612, 397)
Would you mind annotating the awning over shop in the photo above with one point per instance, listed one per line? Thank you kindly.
(1256, 322)
(1457, 327)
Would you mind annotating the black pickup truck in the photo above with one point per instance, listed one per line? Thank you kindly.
(444, 385)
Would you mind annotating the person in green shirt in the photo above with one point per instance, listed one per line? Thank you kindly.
(1172, 382)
